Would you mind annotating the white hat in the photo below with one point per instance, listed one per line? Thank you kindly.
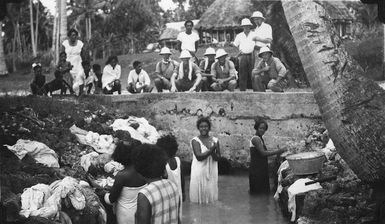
(35, 65)
(209, 51)
(185, 54)
(246, 22)
(257, 14)
(220, 53)
(263, 50)
(165, 50)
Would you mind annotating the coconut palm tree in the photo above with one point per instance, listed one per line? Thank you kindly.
(352, 106)
(3, 66)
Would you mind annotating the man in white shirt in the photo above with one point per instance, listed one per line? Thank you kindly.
(188, 40)
(263, 36)
(138, 79)
(111, 76)
(245, 43)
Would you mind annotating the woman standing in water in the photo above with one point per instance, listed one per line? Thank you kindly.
(258, 171)
(73, 47)
(204, 167)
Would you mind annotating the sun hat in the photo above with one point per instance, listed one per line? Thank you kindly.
(246, 22)
(210, 51)
(264, 50)
(165, 50)
(220, 53)
(257, 14)
(185, 54)
(34, 65)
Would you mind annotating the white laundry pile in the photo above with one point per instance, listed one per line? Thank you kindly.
(101, 143)
(89, 159)
(145, 133)
(282, 167)
(299, 187)
(105, 182)
(113, 167)
(45, 201)
(37, 150)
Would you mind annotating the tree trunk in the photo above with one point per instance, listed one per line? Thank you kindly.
(37, 25)
(34, 53)
(3, 66)
(352, 106)
(63, 20)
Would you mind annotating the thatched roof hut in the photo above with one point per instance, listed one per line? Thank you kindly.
(169, 34)
(225, 14)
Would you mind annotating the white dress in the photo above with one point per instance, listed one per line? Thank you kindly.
(204, 177)
(175, 176)
(73, 56)
(125, 206)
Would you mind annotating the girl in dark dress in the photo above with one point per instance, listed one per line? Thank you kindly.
(258, 171)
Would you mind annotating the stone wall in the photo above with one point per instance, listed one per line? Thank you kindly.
(291, 116)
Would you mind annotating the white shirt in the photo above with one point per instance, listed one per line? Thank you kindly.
(142, 77)
(110, 74)
(245, 43)
(188, 40)
(263, 31)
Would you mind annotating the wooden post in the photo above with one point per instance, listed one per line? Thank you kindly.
(218, 35)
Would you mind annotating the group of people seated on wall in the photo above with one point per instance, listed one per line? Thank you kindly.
(257, 67)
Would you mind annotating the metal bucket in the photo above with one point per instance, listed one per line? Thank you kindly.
(306, 163)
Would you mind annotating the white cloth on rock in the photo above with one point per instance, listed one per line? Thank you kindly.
(69, 187)
(105, 182)
(145, 133)
(100, 143)
(37, 150)
(89, 159)
(299, 187)
(33, 198)
(113, 167)
(282, 167)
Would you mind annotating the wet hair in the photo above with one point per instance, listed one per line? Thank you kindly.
(150, 160)
(122, 154)
(136, 63)
(259, 121)
(112, 57)
(169, 144)
(188, 21)
(202, 120)
(96, 67)
(62, 53)
(72, 31)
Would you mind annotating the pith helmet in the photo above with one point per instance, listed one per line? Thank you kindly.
(246, 22)
(220, 53)
(263, 50)
(165, 50)
(210, 51)
(257, 14)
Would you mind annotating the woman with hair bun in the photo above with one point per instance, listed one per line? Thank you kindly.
(258, 170)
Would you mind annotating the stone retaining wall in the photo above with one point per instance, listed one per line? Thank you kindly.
(291, 116)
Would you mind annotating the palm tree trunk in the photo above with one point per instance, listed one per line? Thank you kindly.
(352, 106)
(32, 29)
(3, 66)
(37, 24)
(63, 20)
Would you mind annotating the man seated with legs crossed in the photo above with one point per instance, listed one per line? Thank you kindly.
(270, 72)
(189, 76)
(164, 70)
(223, 73)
